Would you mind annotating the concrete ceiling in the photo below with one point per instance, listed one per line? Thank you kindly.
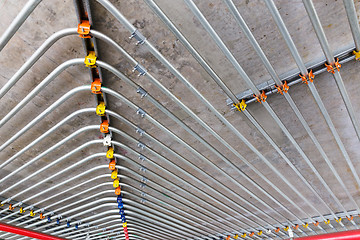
(163, 193)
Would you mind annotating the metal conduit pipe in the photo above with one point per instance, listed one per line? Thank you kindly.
(245, 77)
(122, 157)
(61, 201)
(64, 182)
(38, 158)
(159, 167)
(45, 113)
(136, 166)
(56, 210)
(41, 170)
(44, 135)
(39, 87)
(198, 57)
(129, 138)
(92, 229)
(209, 129)
(34, 57)
(137, 230)
(286, 35)
(101, 36)
(159, 56)
(133, 106)
(54, 163)
(310, 9)
(353, 21)
(49, 150)
(153, 101)
(17, 22)
(111, 92)
(159, 228)
(292, 104)
(173, 222)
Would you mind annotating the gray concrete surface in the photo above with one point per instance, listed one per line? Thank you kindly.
(52, 16)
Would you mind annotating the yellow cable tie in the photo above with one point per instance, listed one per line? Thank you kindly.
(241, 106)
(357, 55)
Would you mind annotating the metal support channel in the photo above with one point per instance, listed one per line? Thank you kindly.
(237, 66)
(310, 9)
(131, 28)
(353, 21)
(293, 106)
(281, 25)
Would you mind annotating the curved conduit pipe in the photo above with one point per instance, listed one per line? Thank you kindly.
(118, 15)
(291, 45)
(62, 158)
(173, 222)
(50, 107)
(47, 152)
(314, 19)
(66, 64)
(295, 109)
(49, 78)
(54, 162)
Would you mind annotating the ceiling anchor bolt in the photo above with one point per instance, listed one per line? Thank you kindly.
(240, 106)
(142, 71)
(138, 36)
(331, 67)
(142, 92)
(261, 97)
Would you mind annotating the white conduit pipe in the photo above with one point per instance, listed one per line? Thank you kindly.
(292, 104)
(310, 9)
(286, 35)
